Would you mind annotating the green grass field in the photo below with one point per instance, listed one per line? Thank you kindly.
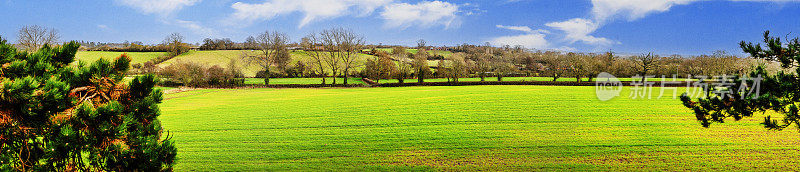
(513, 128)
(517, 79)
(414, 51)
(136, 57)
(222, 58)
(328, 80)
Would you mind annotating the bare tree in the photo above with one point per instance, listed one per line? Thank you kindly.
(404, 70)
(270, 44)
(458, 67)
(556, 64)
(421, 44)
(312, 47)
(482, 65)
(33, 37)
(344, 46)
(420, 64)
(644, 64)
(501, 66)
(175, 43)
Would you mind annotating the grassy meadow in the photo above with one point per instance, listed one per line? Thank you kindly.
(223, 57)
(514, 128)
(328, 80)
(136, 57)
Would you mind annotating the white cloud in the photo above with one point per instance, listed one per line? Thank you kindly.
(603, 11)
(578, 29)
(517, 28)
(531, 40)
(102, 27)
(422, 14)
(313, 9)
(522, 29)
(160, 7)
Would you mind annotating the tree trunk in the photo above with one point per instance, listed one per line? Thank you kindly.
(323, 80)
(266, 76)
(644, 76)
(483, 78)
(345, 76)
(555, 77)
(420, 77)
(499, 77)
(400, 81)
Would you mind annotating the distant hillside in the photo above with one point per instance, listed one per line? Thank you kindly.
(136, 57)
(222, 58)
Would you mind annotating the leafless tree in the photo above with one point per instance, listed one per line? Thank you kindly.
(344, 46)
(420, 64)
(270, 45)
(501, 65)
(556, 63)
(175, 43)
(421, 44)
(458, 67)
(645, 63)
(33, 37)
(482, 65)
(312, 47)
(404, 70)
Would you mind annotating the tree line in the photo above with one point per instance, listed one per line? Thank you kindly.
(339, 52)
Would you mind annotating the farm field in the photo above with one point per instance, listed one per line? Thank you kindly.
(516, 79)
(328, 80)
(136, 57)
(516, 128)
(357, 80)
(414, 51)
(222, 58)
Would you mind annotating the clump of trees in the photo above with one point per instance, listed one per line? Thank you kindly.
(196, 75)
(272, 47)
(218, 44)
(54, 117)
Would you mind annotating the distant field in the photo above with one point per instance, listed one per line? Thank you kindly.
(515, 128)
(414, 51)
(301, 80)
(136, 57)
(516, 79)
(357, 80)
(222, 58)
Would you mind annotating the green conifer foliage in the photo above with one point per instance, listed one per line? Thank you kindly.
(779, 93)
(56, 117)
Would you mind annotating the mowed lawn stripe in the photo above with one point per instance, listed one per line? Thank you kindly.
(458, 128)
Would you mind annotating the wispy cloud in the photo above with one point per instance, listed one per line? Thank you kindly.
(530, 40)
(522, 29)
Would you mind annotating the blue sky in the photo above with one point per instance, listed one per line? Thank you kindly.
(628, 26)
